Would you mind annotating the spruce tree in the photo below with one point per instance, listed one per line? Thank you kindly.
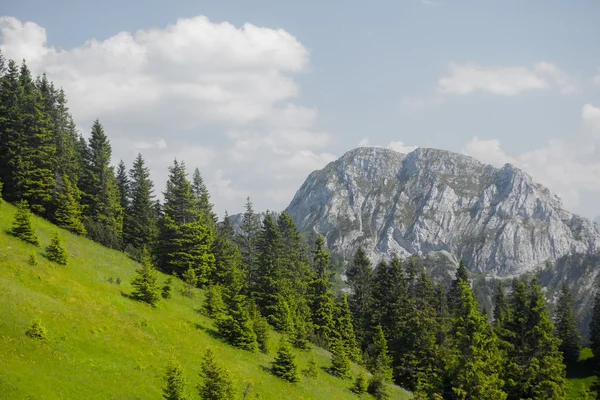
(216, 381)
(340, 363)
(184, 240)
(123, 185)
(476, 371)
(360, 280)
(345, 330)
(312, 369)
(55, 252)
(595, 326)
(10, 132)
(260, 326)
(191, 281)
(145, 285)
(68, 211)
(323, 306)
(379, 361)
(566, 327)
(202, 197)
(175, 382)
(284, 365)
(247, 241)
(213, 302)
(165, 292)
(461, 275)
(361, 384)
(21, 227)
(140, 228)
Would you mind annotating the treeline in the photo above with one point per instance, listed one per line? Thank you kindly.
(432, 340)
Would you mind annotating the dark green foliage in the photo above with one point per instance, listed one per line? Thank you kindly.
(140, 227)
(284, 365)
(280, 315)
(229, 270)
(595, 326)
(37, 330)
(55, 251)
(476, 368)
(68, 211)
(260, 327)
(378, 388)
(312, 369)
(167, 289)
(32, 259)
(340, 363)
(213, 302)
(184, 240)
(191, 281)
(345, 330)
(145, 285)
(21, 227)
(124, 189)
(236, 326)
(566, 327)
(216, 380)
(247, 241)
(10, 132)
(322, 304)
(461, 275)
(1, 188)
(360, 280)
(202, 197)
(175, 382)
(361, 384)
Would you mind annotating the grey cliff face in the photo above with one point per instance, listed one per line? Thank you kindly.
(499, 221)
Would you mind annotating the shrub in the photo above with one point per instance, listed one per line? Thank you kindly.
(21, 227)
(32, 259)
(36, 330)
(312, 371)
(55, 252)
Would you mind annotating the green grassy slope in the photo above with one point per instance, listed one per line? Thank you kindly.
(103, 345)
(581, 376)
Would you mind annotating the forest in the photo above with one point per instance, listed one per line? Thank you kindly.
(406, 329)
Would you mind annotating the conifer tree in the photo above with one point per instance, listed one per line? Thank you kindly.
(595, 326)
(191, 281)
(64, 135)
(247, 241)
(55, 251)
(184, 240)
(140, 228)
(216, 381)
(323, 306)
(236, 326)
(202, 197)
(228, 260)
(10, 132)
(361, 384)
(340, 363)
(476, 372)
(312, 370)
(379, 362)
(123, 185)
(284, 365)
(68, 211)
(260, 326)
(21, 227)
(566, 327)
(360, 280)
(145, 285)
(345, 330)
(165, 292)
(461, 275)
(213, 302)
(175, 382)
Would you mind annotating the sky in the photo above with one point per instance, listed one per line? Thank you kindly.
(258, 94)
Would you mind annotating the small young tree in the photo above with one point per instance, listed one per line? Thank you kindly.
(284, 365)
(261, 329)
(175, 382)
(216, 380)
(191, 281)
(32, 259)
(361, 384)
(167, 288)
(378, 387)
(340, 363)
(36, 330)
(145, 284)
(21, 227)
(312, 370)
(213, 302)
(55, 252)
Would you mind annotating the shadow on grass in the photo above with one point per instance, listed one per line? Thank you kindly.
(210, 331)
(582, 369)
(128, 296)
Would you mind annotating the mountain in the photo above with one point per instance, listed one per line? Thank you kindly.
(433, 202)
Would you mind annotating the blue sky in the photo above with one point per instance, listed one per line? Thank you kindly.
(258, 108)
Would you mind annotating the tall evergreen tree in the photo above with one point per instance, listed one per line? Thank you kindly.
(124, 193)
(360, 280)
(216, 381)
(340, 363)
(566, 327)
(461, 275)
(202, 197)
(247, 241)
(476, 371)
(146, 287)
(10, 132)
(184, 241)
(68, 210)
(345, 329)
(141, 225)
(323, 305)
(595, 326)
(379, 361)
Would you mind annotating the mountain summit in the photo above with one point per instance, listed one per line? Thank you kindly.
(428, 202)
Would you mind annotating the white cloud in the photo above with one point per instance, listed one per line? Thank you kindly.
(400, 147)
(569, 169)
(221, 95)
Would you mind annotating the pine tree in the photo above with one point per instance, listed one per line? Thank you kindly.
(461, 275)
(55, 252)
(21, 227)
(184, 240)
(379, 362)
(312, 369)
(202, 197)
(360, 280)
(228, 260)
(10, 132)
(175, 382)
(140, 228)
(213, 302)
(260, 326)
(476, 373)
(165, 292)
(340, 363)
(247, 241)
(145, 285)
(216, 380)
(323, 306)
(595, 326)
(284, 365)
(361, 384)
(68, 211)
(124, 189)
(345, 330)
(566, 327)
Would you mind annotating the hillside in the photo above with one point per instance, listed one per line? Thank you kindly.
(103, 345)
